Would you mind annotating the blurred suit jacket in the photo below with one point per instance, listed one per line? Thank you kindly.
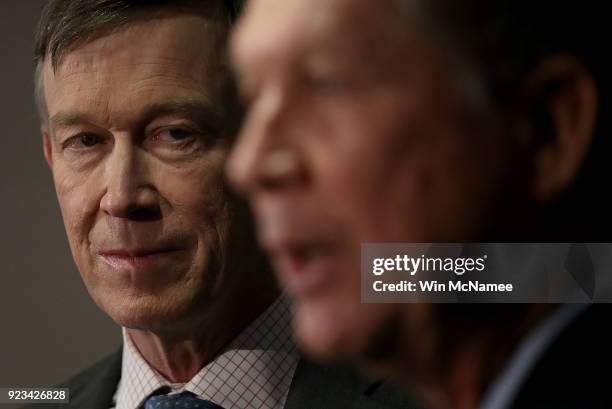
(572, 373)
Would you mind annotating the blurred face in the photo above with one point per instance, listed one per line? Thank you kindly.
(136, 140)
(359, 129)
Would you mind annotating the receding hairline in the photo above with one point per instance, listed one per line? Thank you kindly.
(214, 10)
(57, 47)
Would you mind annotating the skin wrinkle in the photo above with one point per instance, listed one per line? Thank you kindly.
(207, 118)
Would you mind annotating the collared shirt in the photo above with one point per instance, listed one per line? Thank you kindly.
(505, 388)
(253, 372)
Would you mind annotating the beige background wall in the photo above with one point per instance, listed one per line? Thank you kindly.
(49, 326)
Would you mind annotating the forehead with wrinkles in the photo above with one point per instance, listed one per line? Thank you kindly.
(120, 68)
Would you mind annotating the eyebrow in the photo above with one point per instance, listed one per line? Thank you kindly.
(203, 112)
(70, 118)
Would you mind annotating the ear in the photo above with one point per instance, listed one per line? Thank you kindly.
(563, 104)
(47, 148)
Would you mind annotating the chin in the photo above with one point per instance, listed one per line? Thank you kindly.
(337, 331)
(145, 312)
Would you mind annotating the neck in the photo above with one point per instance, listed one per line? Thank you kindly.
(180, 354)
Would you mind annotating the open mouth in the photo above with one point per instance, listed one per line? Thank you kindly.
(304, 269)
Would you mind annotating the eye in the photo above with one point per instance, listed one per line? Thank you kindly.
(326, 83)
(247, 94)
(89, 139)
(176, 140)
(174, 135)
(83, 141)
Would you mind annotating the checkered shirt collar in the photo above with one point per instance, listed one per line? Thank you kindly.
(253, 372)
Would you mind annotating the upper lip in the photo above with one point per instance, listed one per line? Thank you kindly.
(137, 252)
(295, 248)
(288, 230)
(285, 239)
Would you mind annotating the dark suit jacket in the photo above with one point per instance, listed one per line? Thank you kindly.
(573, 372)
(313, 387)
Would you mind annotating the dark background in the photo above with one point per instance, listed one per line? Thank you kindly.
(50, 327)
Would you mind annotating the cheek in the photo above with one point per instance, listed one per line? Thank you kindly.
(79, 203)
(358, 176)
(356, 152)
(407, 176)
(197, 194)
(199, 201)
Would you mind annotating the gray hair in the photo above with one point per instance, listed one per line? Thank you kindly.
(65, 24)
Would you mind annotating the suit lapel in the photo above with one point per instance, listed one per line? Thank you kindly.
(570, 374)
(95, 388)
(335, 387)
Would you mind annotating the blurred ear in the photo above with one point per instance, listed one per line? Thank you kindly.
(562, 105)
(47, 148)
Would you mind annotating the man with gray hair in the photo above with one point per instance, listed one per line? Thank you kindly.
(137, 113)
(431, 121)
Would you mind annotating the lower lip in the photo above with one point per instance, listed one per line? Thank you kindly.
(145, 262)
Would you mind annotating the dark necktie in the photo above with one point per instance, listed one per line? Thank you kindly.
(185, 400)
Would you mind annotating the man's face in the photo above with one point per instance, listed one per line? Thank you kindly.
(136, 140)
(359, 129)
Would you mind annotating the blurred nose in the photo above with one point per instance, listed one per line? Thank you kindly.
(265, 157)
(129, 193)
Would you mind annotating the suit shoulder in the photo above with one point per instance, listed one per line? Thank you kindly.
(105, 368)
(340, 386)
(103, 374)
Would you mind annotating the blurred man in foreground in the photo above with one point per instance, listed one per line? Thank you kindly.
(427, 121)
(137, 114)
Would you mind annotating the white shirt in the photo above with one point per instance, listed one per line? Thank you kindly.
(253, 372)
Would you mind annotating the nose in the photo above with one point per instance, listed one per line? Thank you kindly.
(129, 193)
(264, 156)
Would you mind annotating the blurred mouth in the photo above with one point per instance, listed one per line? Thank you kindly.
(304, 269)
(305, 251)
(139, 260)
